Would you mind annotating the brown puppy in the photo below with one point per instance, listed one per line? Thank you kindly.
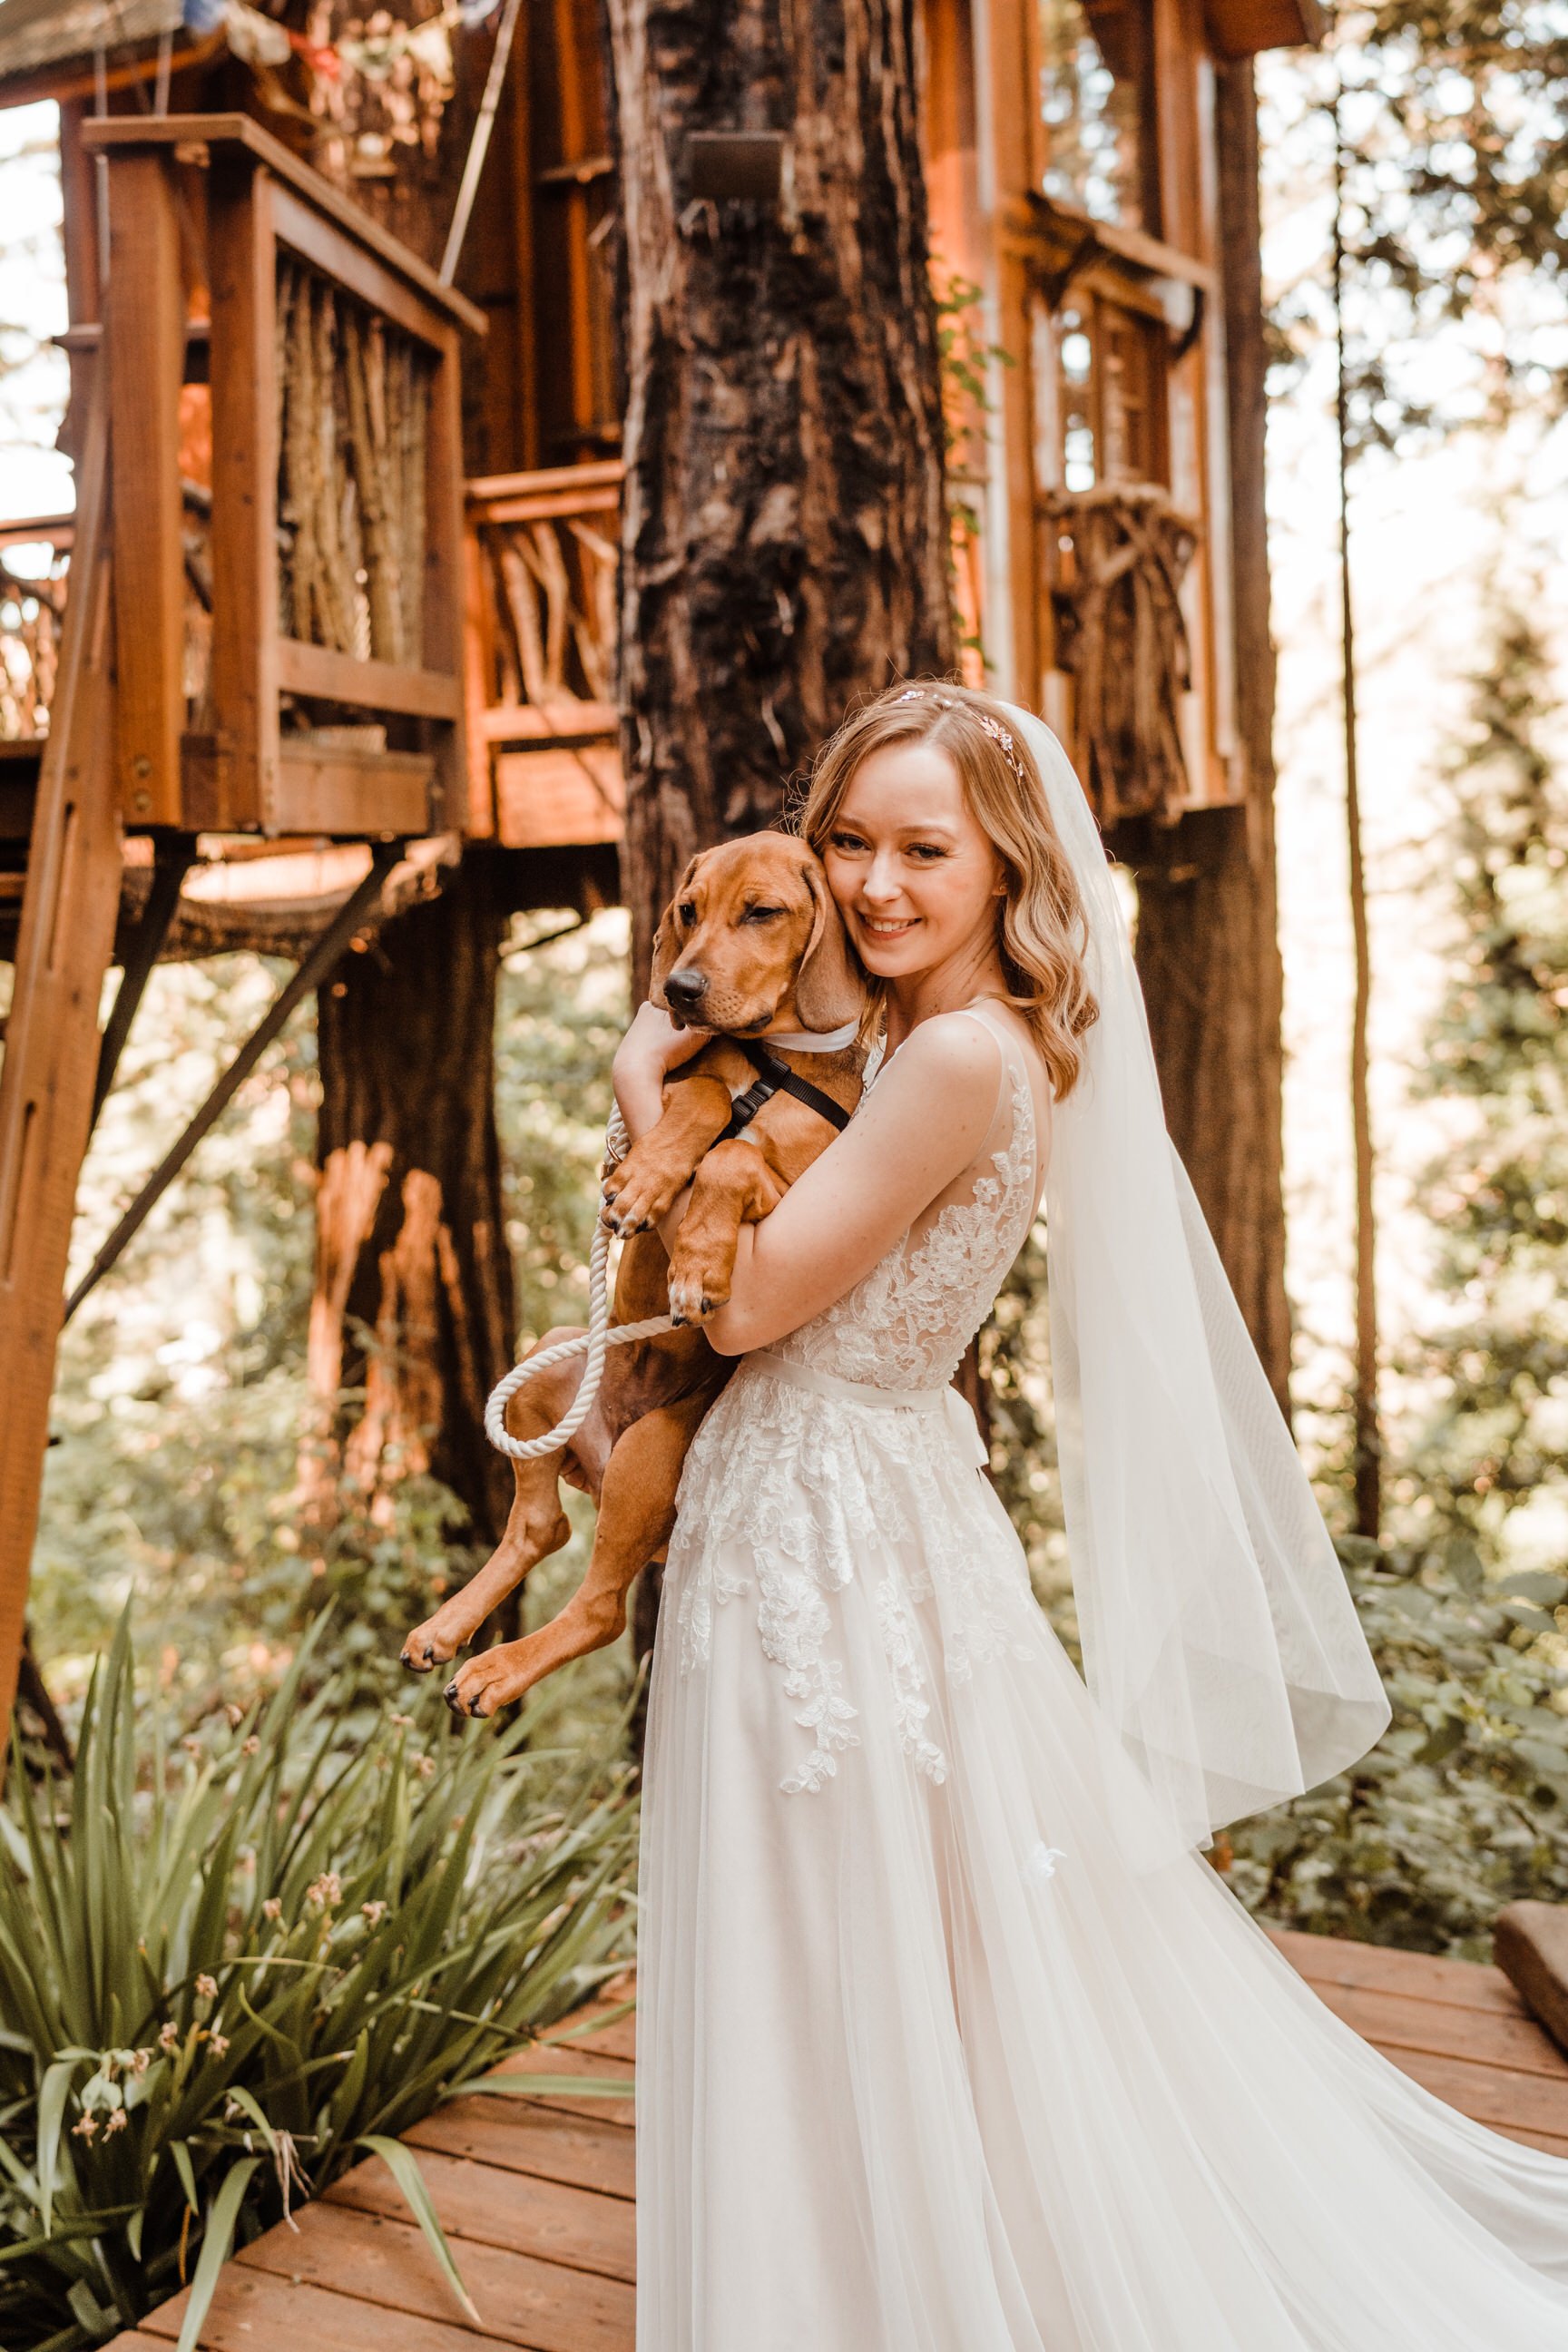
(750, 942)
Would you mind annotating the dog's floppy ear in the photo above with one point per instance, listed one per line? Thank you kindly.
(830, 990)
(667, 943)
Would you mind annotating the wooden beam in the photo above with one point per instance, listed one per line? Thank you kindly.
(359, 795)
(596, 473)
(377, 283)
(238, 134)
(243, 675)
(1531, 1946)
(442, 608)
(565, 722)
(146, 366)
(63, 949)
(545, 506)
(1239, 28)
(1149, 257)
(328, 675)
(68, 83)
(478, 666)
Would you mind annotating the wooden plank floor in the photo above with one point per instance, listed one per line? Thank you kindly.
(536, 2195)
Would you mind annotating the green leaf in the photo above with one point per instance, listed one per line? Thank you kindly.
(216, 2243)
(539, 2087)
(400, 2162)
(180, 2151)
(52, 2099)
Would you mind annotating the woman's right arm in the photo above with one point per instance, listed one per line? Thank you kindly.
(651, 1048)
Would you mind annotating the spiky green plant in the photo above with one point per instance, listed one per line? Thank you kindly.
(224, 1976)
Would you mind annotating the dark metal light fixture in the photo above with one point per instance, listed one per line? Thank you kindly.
(736, 163)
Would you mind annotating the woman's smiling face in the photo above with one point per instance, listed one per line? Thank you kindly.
(913, 872)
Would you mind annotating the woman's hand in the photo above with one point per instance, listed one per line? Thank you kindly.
(651, 1048)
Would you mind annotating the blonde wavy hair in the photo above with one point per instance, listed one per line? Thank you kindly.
(1040, 927)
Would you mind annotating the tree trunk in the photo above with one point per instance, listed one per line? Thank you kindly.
(784, 533)
(1208, 946)
(411, 1240)
(1368, 1460)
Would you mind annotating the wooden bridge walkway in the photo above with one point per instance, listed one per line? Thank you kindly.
(536, 2195)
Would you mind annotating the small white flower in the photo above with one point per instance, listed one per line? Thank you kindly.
(1040, 1863)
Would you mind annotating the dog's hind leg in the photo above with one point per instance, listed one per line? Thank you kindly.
(636, 1512)
(536, 1525)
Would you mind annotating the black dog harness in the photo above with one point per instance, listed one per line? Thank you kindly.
(775, 1078)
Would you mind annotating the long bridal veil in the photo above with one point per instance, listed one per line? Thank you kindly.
(1220, 1640)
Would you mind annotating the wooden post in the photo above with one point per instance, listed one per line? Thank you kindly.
(480, 821)
(69, 909)
(444, 575)
(147, 362)
(245, 487)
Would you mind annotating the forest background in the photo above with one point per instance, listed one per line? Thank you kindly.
(181, 1399)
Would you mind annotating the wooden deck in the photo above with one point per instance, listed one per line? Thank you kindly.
(536, 2196)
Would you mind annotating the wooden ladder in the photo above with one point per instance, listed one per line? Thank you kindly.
(71, 900)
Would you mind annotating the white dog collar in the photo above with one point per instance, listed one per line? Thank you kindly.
(812, 1041)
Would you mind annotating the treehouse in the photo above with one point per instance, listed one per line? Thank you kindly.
(338, 589)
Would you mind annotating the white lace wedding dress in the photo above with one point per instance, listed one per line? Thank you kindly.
(924, 2065)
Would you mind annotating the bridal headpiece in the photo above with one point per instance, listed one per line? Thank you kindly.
(993, 726)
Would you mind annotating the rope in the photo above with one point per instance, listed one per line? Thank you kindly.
(596, 1342)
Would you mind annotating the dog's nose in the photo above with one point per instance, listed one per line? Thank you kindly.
(685, 989)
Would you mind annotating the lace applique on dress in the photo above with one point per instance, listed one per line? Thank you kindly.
(787, 1490)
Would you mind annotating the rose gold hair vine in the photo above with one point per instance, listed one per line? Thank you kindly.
(993, 726)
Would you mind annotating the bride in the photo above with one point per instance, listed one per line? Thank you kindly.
(949, 2040)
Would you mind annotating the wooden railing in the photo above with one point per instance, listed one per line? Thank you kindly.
(324, 394)
(540, 660)
(539, 631)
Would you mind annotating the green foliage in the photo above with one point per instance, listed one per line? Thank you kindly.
(1496, 1437)
(1463, 1805)
(1449, 116)
(964, 361)
(563, 1010)
(223, 1979)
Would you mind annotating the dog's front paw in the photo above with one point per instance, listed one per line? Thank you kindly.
(438, 1642)
(696, 1291)
(497, 1678)
(639, 1194)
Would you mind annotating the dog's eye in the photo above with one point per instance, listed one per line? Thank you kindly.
(762, 914)
(687, 911)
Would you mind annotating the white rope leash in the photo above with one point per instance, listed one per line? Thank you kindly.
(596, 1342)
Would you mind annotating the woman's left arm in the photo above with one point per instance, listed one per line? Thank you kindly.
(921, 1125)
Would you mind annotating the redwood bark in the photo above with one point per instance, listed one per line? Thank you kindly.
(785, 535)
(410, 1243)
(1208, 946)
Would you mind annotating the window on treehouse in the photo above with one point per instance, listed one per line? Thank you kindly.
(1101, 394)
(1095, 69)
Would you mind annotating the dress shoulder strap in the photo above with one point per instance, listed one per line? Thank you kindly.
(1015, 1092)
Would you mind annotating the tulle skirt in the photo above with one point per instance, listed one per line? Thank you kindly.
(927, 2063)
